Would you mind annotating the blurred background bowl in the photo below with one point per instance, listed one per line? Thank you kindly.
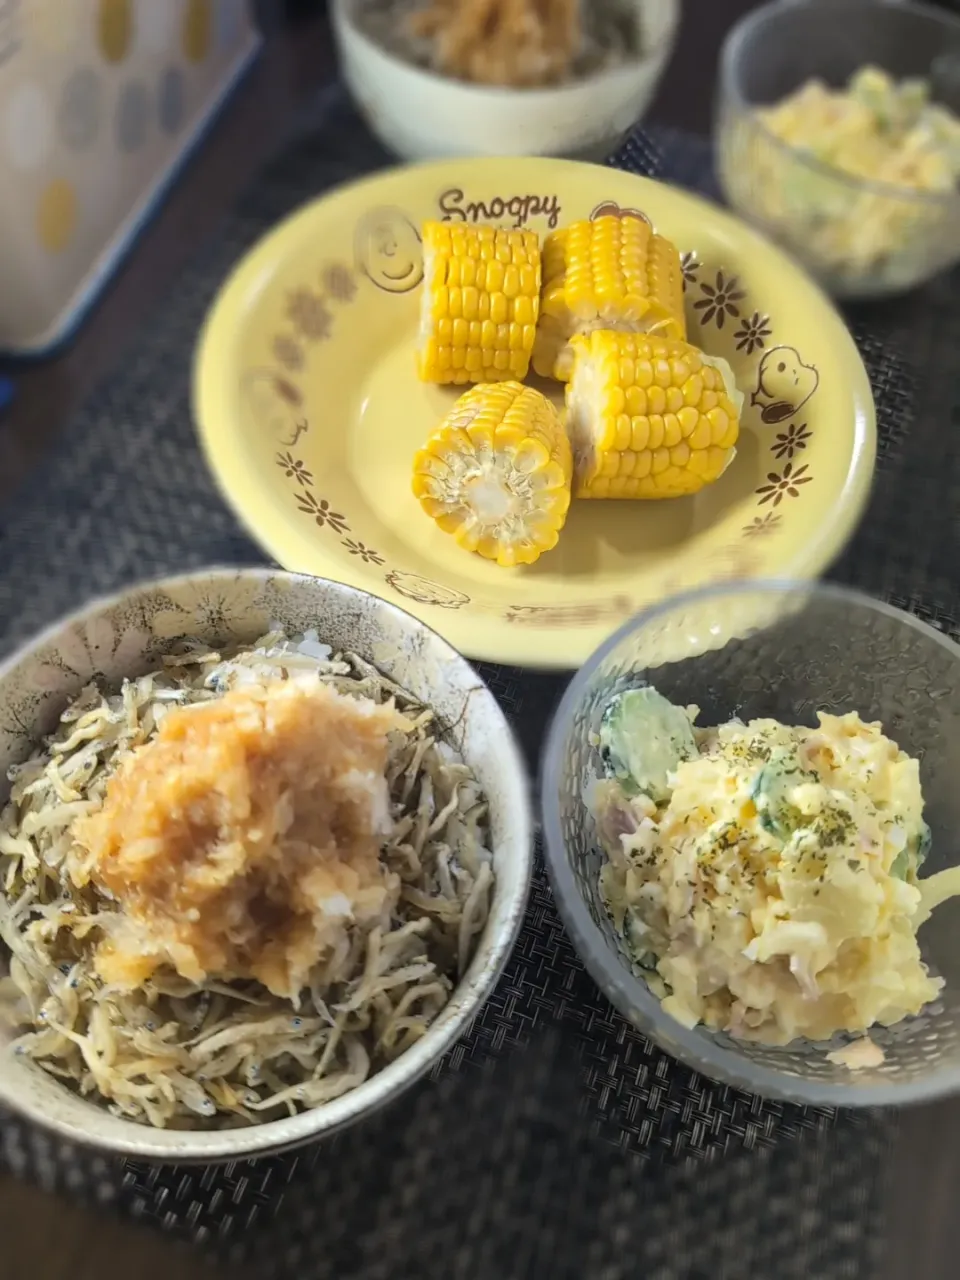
(419, 114)
(126, 635)
(810, 207)
(783, 651)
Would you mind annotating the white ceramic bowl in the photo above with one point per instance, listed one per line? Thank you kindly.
(126, 635)
(420, 115)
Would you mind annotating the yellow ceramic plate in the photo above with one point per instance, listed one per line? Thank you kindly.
(310, 412)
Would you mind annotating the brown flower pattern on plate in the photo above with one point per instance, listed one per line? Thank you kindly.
(753, 333)
(790, 442)
(294, 469)
(689, 266)
(719, 300)
(338, 282)
(322, 513)
(762, 526)
(366, 554)
(783, 484)
(288, 352)
(309, 314)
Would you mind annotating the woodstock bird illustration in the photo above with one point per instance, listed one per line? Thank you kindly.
(784, 384)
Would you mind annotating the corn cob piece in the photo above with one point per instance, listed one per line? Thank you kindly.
(496, 473)
(612, 273)
(481, 300)
(648, 417)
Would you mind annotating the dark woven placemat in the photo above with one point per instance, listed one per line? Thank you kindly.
(531, 1149)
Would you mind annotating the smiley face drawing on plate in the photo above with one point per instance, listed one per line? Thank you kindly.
(388, 250)
(784, 384)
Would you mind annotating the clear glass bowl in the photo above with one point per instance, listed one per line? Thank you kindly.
(786, 651)
(860, 239)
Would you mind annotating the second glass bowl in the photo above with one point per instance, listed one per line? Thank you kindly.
(782, 651)
(860, 239)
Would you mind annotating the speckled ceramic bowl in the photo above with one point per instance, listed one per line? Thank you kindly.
(126, 635)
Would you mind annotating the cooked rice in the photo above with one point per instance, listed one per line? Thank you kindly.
(177, 1054)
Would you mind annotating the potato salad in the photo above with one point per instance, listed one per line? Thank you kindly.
(763, 877)
(876, 128)
(888, 135)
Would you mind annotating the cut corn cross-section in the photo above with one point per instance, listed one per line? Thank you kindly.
(612, 273)
(481, 301)
(496, 473)
(648, 417)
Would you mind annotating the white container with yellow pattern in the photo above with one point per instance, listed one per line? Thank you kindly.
(100, 100)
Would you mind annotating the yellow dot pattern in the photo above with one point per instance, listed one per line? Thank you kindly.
(51, 24)
(197, 30)
(115, 29)
(57, 215)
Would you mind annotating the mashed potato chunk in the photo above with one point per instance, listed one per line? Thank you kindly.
(770, 888)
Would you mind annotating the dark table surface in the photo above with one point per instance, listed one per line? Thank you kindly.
(47, 1238)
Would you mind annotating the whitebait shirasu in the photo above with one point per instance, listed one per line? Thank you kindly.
(178, 1055)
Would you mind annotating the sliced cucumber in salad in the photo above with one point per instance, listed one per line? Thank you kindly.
(643, 738)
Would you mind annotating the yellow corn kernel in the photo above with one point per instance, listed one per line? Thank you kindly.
(617, 437)
(496, 473)
(612, 273)
(477, 275)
